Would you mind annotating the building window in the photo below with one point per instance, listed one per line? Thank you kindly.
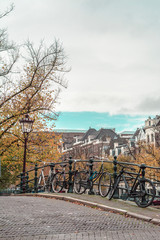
(147, 138)
(152, 137)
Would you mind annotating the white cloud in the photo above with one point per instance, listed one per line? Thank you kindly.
(112, 46)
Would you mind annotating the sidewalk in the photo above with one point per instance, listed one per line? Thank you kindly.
(127, 208)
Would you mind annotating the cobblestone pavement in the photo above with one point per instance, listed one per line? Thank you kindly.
(39, 218)
(150, 211)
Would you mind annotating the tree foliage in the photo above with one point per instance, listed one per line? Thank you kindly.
(30, 81)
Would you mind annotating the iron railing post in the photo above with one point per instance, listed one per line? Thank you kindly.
(116, 195)
(27, 185)
(143, 167)
(50, 183)
(36, 179)
(70, 182)
(91, 192)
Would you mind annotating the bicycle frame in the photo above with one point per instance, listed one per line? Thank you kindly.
(42, 178)
(96, 175)
(65, 181)
(88, 183)
(131, 192)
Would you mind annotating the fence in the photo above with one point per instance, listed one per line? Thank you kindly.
(30, 181)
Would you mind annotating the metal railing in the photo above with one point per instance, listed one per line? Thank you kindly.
(29, 180)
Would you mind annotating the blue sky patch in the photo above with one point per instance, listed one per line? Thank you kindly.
(85, 120)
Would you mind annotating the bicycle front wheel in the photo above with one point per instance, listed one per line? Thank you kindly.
(113, 188)
(80, 182)
(104, 184)
(57, 183)
(144, 193)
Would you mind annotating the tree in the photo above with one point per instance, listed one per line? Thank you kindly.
(35, 90)
(30, 81)
(8, 52)
(44, 146)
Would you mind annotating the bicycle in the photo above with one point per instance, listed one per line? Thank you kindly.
(61, 179)
(45, 182)
(84, 180)
(142, 189)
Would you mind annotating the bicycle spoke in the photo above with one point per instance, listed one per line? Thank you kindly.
(57, 183)
(144, 193)
(80, 182)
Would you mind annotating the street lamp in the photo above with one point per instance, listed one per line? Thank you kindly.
(26, 125)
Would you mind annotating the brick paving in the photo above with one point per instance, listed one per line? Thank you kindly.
(150, 211)
(33, 218)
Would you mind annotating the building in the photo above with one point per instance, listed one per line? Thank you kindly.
(84, 144)
(121, 143)
(152, 130)
(92, 143)
(69, 136)
(148, 134)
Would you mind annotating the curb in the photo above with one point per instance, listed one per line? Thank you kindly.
(139, 216)
(95, 205)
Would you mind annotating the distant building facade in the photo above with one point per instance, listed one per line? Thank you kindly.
(148, 134)
(91, 143)
(152, 130)
(69, 136)
(84, 144)
(121, 143)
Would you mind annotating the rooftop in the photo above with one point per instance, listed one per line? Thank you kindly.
(70, 130)
(127, 132)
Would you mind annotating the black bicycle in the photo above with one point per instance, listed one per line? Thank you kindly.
(85, 180)
(61, 179)
(142, 190)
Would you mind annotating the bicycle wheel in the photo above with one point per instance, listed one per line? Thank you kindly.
(80, 182)
(57, 183)
(145, 192)
(113, 188)
(104, 185)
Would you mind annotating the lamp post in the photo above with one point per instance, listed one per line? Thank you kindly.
(26, 125)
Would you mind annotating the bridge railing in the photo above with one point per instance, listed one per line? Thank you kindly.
(29, 180)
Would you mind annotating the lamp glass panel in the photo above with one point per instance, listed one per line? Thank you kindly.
(26, 126)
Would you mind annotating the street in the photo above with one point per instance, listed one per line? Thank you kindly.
(24, 217)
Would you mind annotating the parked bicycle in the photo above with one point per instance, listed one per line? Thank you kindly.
(45, 181)
(84, 180)
(142, 190)
(61, 179)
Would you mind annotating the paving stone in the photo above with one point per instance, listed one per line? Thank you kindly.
(31, 218)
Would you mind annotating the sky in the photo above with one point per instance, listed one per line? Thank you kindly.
(113, 49)
(86, 120)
